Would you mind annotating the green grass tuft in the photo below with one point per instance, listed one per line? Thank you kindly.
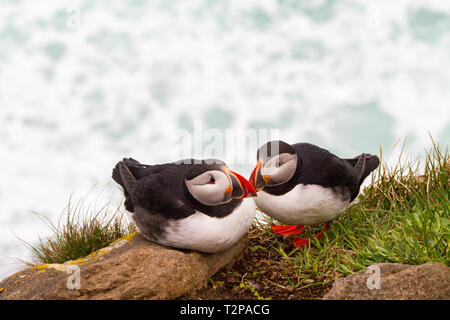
(79, 232)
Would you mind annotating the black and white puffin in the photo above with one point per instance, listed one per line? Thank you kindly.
(303, 184)
(194, 204)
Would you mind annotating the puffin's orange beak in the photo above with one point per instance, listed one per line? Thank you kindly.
(254, 173)
(256, 179)
(247, 188)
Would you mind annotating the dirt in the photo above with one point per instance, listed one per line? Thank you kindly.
(262, 273)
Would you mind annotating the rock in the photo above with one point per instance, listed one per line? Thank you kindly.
(429, 281)
(130, 268)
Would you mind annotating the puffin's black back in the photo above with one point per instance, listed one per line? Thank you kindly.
(138, 171)
(161, 189)
(318, 166)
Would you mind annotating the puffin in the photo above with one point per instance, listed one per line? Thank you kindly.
(303, 184)
(189, 204)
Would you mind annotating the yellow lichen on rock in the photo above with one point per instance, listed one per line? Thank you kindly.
(127, 238)
(23, 278)
(94, 256)
(55, 266)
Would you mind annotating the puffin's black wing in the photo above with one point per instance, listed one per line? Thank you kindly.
(363, 165)
(156, 188)
(319, 166)
(123, 176)
(163, 194)
(137, 170)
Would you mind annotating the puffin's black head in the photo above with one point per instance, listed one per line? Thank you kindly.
(277, 162)
(213, 183)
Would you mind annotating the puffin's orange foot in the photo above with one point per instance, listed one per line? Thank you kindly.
(300, 242)
(325, 228)
(287, 230)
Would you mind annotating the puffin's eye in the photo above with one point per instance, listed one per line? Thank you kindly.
(212, 180)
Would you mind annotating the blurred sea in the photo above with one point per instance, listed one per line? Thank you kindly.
(85, 83)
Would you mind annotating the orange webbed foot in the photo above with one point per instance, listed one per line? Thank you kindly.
(287, 230)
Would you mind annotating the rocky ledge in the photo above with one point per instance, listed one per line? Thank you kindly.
(130, 268)
(393, 281)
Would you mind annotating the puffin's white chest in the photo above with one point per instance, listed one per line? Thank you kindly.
(304, 204)
(208, 234)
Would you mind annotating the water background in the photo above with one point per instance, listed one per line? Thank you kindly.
(85, 83)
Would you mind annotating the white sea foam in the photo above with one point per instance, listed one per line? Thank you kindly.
(79, 92)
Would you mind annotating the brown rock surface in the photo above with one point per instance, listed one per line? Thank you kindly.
(130, 268)
(429, 281)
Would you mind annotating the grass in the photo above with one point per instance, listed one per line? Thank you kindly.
(79, 232)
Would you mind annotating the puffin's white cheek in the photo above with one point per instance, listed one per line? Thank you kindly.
(269, 170)
(214, 194)
(270, 174)
(209, 194)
